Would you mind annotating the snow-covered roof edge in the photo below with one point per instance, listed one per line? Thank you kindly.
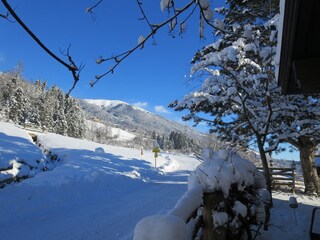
(280, 28)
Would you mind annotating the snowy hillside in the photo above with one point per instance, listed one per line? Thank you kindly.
(115, 133)
(101, 192)
(108, 104)
(135, 120)
(105, 103)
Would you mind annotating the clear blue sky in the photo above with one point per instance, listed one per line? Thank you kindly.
(154, 76)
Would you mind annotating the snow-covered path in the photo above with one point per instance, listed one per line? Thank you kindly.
(92, 195)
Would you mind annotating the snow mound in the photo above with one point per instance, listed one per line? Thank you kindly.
(19, 156)
(169, 164)
(160, 227)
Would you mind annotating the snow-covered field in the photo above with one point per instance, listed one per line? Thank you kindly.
(102, 195)
(90, 195)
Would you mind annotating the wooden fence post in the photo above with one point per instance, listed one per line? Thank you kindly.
(210, 201)
(293, 181)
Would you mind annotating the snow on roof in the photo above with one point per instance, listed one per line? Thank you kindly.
(279, 27)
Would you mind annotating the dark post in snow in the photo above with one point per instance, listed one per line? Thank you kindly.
(210, 201)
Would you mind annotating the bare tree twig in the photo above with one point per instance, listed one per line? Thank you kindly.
(6, 16)
(72, 63)
(90, 9)
(71, 66)
(144, 15)
(154, 28)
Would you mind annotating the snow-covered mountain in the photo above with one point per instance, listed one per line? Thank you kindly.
(134, 120)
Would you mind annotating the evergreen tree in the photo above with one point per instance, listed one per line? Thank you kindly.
(56, 98)
(17, 108)
(74, 118)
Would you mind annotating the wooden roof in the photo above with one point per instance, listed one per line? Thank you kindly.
(299, 70)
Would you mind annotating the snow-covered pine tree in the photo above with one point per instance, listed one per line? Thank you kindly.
(17, 108)
(75, 118)
(36, 95)
(56, 97)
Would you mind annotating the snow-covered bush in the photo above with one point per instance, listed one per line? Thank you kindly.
(242, 202)
(222, 169)
(241, 186)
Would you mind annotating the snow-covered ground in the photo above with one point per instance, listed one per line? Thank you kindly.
(96, 195)
(117, 133)
(90, 195)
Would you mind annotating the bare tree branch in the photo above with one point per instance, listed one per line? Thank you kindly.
(71, 66)
(154, 28)
(72, 63)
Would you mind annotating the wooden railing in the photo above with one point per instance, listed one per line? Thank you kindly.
(282, 177)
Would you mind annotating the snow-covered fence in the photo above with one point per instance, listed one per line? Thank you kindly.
(283, 177)
(226, 195)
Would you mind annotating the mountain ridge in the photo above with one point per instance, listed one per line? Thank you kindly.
(144, 124)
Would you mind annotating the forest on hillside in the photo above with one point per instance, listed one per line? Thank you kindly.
(49, 109)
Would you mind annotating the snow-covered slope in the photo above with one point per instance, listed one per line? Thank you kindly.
(91, 195)
(116, 133)
(115, 113)
(108, 104)
(105, 103)
(19, 156)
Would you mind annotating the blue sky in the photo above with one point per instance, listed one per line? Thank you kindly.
(151, 78)
(154, 76)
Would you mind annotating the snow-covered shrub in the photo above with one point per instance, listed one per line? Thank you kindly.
(240, 184)
(242, 202)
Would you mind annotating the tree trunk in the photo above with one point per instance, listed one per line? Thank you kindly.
(210, 202)
(267, 175)
(307, 150)
(265, 166)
